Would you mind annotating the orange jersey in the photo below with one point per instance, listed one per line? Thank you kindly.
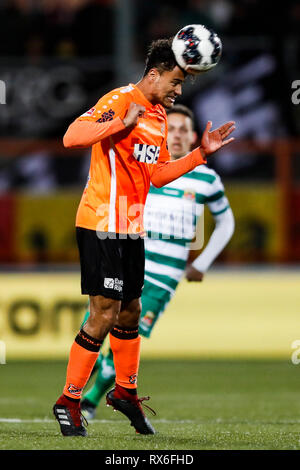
(122, 163)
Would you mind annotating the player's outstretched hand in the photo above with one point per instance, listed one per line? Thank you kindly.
(193, 274)
(135, 111)
(213, 140)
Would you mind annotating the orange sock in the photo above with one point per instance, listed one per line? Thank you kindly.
(126, 345)
(83, 355)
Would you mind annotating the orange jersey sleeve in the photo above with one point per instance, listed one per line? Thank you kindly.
(81, 134)
(167, 171)
(99, 122)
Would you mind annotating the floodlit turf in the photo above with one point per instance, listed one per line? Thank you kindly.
(200, 405)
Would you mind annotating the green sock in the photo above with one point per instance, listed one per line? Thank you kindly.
(104, 380)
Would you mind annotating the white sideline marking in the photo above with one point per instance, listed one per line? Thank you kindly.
(46, 420)
(162, 421)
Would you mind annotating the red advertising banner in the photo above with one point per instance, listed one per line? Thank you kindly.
(7, 228)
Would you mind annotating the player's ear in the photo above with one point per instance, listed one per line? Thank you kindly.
(153, 74)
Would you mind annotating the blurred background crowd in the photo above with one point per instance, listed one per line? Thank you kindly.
(86, 27)
(58, 57)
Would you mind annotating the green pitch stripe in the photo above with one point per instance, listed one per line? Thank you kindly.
(164, 279)
(165, 260)
(221, 211)
(168, 238)
(200, 176)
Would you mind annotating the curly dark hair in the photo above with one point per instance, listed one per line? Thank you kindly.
(160, 56)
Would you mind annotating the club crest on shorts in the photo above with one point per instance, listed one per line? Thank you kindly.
(113, 283)
(109, 283)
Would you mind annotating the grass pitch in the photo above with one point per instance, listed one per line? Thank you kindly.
(242, 395)
(213, 404)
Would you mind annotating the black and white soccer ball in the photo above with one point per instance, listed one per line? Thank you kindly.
(196, 48)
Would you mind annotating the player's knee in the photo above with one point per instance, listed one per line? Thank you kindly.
(135, 309)
(130, 313)
(138, 307)
(102, 308)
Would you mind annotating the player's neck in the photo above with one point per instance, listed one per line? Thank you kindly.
(144, 86)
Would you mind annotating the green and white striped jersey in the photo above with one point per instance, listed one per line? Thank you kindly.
(170, 219)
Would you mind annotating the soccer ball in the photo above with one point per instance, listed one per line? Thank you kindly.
(196, 48)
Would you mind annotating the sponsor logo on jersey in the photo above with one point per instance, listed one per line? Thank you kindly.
(107, 116)
(113, 283)
(90, 112)
(146, 153)
(189, 194)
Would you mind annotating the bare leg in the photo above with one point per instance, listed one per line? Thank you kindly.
(130, 314)
(104, 314)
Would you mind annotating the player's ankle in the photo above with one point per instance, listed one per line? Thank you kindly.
(71, 399)
(120, 390)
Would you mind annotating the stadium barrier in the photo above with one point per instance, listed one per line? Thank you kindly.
(40, 228)
(240, 314)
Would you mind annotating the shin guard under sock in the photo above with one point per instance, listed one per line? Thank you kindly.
(83, 355)
(125, 344)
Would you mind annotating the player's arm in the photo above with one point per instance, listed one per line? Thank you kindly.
(170, 170)
(223, 231)
(82, 134)
(167, 171)
(86, 130)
